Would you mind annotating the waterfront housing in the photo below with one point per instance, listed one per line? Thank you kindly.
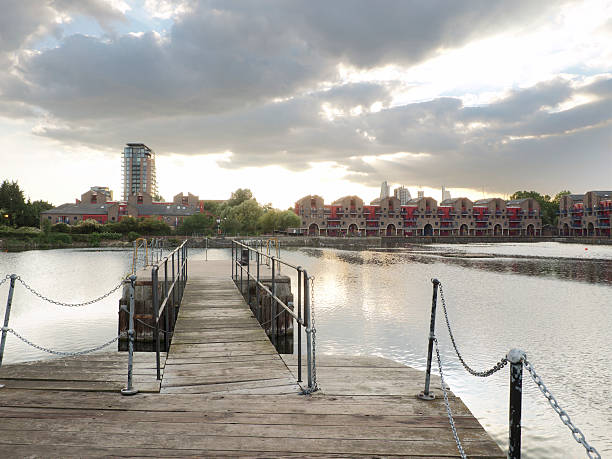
(585, 214)
(138, 170)
(99, 206)
(422, 216)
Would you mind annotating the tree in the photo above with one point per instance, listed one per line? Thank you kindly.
(153, 227)
(239, 196)
(548, 206)
(158, 197)
(242, 218)
(12, 203)
(197, 224)
(288, 219)
(31, 216)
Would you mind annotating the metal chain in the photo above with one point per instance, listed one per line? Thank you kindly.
(446, 402)
(483, 374)
(576, 432)
(70, 305)
(314, 335)
(150, 326)
(51, 351)
(273, 318)
(7, 277)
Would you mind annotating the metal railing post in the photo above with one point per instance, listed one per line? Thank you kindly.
(308, 323)
(130, 390)
(427, 394)
(166, 314)
(154, 287)
(233, 261)
(249, 281)
(206, 252)
(273, 302)
(515, 358)
(257, 308)
(299, 326)
(7, 315)
(171, 329)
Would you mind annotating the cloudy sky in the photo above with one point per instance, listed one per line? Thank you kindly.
(290, 98)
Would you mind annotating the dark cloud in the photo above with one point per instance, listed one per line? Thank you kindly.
(253, 78)
(230, 55)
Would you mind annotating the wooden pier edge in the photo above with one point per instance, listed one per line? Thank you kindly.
(226, 392)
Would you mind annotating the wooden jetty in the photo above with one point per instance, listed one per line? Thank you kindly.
(225, 392)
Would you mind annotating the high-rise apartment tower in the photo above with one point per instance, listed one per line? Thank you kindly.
(385, 190)
(138, 170)
(403, 194)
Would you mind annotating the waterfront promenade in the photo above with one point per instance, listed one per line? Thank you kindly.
(226, 392)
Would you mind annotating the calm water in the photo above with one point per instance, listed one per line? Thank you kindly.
(551, 300)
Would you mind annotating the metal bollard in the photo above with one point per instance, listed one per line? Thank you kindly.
(427, 394)
(130, 390)
(515, 357)
(7, 315)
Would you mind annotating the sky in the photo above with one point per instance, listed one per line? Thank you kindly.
(290, 98)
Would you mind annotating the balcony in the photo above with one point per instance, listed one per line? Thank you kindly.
(603, 224)
(575, 225)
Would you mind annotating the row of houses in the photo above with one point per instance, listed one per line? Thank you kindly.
(585, 214)
(423, 216)
(97, 204)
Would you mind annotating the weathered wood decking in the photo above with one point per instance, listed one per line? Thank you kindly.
(226, 392)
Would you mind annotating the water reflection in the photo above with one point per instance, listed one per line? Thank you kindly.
(377, 303)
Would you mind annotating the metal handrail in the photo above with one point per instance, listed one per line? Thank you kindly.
(303, 317)
(172, 294)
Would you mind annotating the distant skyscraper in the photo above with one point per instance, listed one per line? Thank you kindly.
(445, 193)
(403, 194)
(421, 194)
(138, 167)
(385, 190)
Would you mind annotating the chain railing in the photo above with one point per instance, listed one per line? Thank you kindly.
(517, 359)
(302, 312)
(14, 278)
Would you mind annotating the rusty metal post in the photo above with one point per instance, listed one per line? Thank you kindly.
(154, 287)
(308, 323)
(427, 394)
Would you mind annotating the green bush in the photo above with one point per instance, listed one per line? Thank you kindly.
(86, 227)
(94, 239)
(133, 235)
(80, 237)
(110, 236)
(28, 230)
(60, 228)
(54, 238)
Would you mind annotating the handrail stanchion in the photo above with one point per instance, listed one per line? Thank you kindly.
(249, 281)
(171, 329)
(308, 320)
(299, 327)
(257, 308)
(515, 357)
(7, 315)
(167, 307)
(154, 287)
(233, 261)
(273, 302)
(130, 390)
(427, 394)
(206, 249)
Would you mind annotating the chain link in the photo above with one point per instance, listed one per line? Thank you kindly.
(150, 326)
(483, 374)
(70, 305)
(576, 432)
(51, 351)
(446, 402)
(314, 335)
(7, 277)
